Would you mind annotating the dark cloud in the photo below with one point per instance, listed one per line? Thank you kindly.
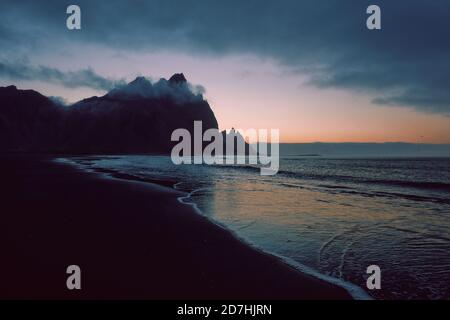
(406, 63)
(70, 79)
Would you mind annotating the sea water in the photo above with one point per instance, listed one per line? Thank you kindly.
(330, 216)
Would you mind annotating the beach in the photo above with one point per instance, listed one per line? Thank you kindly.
(131, 239)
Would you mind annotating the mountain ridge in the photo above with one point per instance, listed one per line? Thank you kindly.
(135, 118)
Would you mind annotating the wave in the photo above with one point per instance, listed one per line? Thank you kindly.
(441, 186)
(352, 180)
(249, 168)
(422, 185)
(355, 291)
(425, 185)
(384, 194)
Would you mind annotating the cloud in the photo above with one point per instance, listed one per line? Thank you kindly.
(419, 100)
(423, 86)
(59, 101)
(71, 79)
(406, 63)
(182, 92)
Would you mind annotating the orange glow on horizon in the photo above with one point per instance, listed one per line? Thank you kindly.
(247, 92)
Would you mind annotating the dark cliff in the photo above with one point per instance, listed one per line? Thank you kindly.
(136, 118)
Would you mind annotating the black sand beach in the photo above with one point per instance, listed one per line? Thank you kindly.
(132, 240)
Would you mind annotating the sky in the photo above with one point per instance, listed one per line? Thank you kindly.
(308, 68)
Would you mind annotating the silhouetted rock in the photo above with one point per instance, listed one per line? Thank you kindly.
(135, 118)
(240, 146)
(177, 78)
(29, 121)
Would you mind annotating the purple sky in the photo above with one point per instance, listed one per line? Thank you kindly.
(303, 82)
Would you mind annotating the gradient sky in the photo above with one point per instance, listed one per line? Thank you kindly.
(309, 68)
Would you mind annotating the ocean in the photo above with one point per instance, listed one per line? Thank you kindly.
(330, 216)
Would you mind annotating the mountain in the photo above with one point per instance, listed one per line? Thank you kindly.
(29, 121)
(135, 118)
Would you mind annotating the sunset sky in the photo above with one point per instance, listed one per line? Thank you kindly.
(311, 69)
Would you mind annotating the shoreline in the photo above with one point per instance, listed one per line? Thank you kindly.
(355, 291)
(133, 240)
